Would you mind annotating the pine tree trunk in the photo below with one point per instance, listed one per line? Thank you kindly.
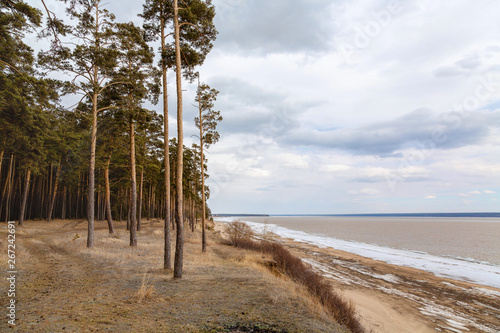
(139, 213)
(1, 162)
(63, 210)
(121, 204)
(43, 195)
(32, 196)
(133, 192)
(53, 196)
(150, 195)
(9, 191)
(193, 203)
(7, 188)
(128, 209)
(77, 198)
(25, 196)
(91, 193)
(179, 244)
(4, 192)
(174, 208)
(98, 209)
(153, 203)
(203, 231)
(70, 215)
(108, 198)
(50, 179)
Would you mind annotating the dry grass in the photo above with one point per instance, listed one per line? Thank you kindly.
(146, 289)
(22, 254)
(224, 289)
(286, 263)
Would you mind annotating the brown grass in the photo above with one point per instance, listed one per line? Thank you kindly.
(146, 290)
(292, 266)
(66, 286)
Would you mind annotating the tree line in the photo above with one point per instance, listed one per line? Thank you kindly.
(107, 157)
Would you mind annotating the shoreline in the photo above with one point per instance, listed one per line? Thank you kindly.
(392, 298)
(457, 267)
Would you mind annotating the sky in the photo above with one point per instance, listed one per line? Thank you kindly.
(351, 107)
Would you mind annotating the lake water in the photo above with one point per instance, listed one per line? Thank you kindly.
(464, 248)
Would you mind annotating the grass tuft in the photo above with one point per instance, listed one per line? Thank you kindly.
(146, 290)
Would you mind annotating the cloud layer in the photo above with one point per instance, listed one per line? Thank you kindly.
(262, 27)
(352, 107)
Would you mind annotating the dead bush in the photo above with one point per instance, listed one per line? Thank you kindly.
(239, 232)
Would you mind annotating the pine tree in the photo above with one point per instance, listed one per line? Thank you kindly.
(90, 64)
(22, 96)
(157, 15)
(195, 41)
(135, 60)
(206, 122)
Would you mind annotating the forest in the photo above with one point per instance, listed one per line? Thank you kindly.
(105, 157)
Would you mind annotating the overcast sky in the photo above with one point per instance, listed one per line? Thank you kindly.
(352, 106)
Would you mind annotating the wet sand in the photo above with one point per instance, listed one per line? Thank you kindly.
(391, 298)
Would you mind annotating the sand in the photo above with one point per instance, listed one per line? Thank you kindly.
(391, 298)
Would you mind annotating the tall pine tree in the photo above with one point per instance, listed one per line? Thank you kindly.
(90, 64)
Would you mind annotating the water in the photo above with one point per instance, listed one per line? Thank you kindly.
(464, 248)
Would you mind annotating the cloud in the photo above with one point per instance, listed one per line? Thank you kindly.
(420, 129)
(365, 191)
(262, 27)
(335, 168)
(448, 71)
(476, 61)
(474, 192)
(332, 134)
(256, 109)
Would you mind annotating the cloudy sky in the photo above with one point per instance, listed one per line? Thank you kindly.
(352, 106)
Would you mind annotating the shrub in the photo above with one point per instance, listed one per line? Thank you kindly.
(239, 232)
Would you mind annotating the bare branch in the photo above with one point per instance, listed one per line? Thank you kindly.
(112, 83)
(81, 74)
(107, 108)
(50, 15)
(84, 94)
(14, 68)
(191, 24)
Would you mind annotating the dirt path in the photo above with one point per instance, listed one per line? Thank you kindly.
(65, 287)
(74, 292)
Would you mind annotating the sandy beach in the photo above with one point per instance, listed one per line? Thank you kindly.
(392, 298)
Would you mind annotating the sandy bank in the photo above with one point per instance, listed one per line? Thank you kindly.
(400, 299)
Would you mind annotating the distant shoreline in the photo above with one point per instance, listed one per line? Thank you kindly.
(240, 215)
(484, 214)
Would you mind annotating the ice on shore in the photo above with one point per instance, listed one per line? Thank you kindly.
(464, 270)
